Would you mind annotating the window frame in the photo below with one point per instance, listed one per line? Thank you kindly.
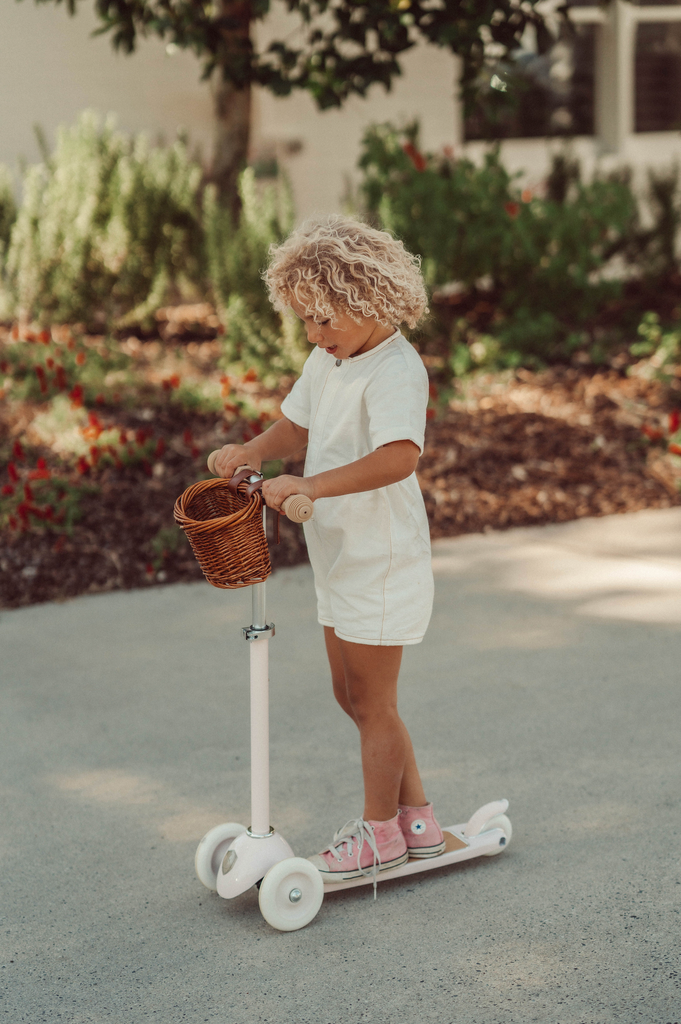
(614, 115)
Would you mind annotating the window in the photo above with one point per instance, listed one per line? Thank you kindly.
(549, 91)
(658, 77)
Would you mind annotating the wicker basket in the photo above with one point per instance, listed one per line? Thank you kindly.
(226, 533)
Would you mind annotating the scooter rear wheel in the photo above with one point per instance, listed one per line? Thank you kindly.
(502, 822)
(212, 849)
(291, 893)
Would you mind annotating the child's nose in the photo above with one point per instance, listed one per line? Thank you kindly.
(314, 335)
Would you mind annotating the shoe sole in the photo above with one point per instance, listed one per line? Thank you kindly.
(347, 876)
(424, 852)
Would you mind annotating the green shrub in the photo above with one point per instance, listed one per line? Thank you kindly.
(8, 210)
(654, 249)
(659, 349)
(106, 228)
(541, 256)
(255, 334)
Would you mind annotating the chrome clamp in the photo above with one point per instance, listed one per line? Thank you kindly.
(258, 632)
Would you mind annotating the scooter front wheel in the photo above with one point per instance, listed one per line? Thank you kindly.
(212, 849)
(291, 893)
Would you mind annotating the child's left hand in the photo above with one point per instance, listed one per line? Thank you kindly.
(277, 490)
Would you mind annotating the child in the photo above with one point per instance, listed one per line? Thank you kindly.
(360, 408)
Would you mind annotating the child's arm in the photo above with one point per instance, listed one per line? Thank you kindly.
(387, 465)
(281, 439)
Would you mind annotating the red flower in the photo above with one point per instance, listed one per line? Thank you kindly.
(674, 421)
(82, 465)
(418, 159)
(60, 378)
(430, 414)
(12, 470)
(7, 489)
(250, 375)
(28, 493)
(39, 474)
(18, 451)
(160, 448)
(41, 464)
(94, 454)
(651, 433)
(95, 428)
(45, 337)
(40, 374)
(76, 396)
(512, 209)
(675, 449)
(122, 437)
(80, 358)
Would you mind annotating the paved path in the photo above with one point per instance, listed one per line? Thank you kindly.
(550, 675)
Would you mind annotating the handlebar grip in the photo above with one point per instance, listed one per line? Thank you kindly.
(210, 461)
(297, 507)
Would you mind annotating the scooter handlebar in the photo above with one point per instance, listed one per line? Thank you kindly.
(297, 507)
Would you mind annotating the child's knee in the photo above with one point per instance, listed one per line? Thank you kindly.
(340, 692)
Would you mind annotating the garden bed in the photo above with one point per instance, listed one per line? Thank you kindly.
(510, 449)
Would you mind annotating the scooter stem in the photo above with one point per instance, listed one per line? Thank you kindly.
(258, 634)
(260, 727)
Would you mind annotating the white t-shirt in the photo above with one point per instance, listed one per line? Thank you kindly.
(370, 551)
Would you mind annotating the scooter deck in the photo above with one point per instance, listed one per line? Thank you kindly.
(457, 848)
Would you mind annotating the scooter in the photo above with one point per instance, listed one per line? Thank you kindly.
(231, 857)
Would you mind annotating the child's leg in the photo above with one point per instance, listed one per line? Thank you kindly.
(365, 685)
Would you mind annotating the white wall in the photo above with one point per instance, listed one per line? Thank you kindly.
(51, 69)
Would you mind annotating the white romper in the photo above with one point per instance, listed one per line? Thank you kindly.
(370, 551)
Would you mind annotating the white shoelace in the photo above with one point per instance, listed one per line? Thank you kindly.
(358, 831)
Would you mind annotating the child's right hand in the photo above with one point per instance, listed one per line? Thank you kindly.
(232, 456)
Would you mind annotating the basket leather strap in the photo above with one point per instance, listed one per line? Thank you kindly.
(239, 478)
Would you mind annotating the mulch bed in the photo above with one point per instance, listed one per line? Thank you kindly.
(513, 450)
(549, 447)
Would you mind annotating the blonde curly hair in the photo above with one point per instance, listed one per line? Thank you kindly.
(340, 265)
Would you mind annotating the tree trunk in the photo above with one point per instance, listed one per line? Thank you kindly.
(232, 133)
(232, 101)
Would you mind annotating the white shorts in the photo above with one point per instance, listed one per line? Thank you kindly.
(373, 591)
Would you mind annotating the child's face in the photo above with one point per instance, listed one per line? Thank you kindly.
(346, 338)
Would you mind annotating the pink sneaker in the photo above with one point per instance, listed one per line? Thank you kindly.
(421, 831)
(362, 848)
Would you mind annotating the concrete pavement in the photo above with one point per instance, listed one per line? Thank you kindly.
(550, 675)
